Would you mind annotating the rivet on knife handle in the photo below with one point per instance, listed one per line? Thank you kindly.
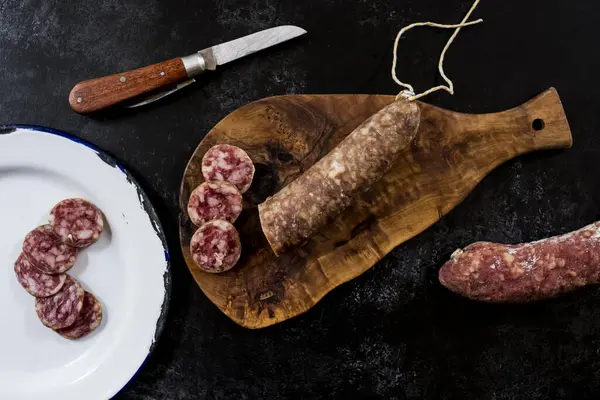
(100, 93)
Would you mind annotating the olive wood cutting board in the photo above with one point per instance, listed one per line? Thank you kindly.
(285, 135)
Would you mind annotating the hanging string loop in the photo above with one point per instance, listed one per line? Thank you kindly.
(409, 92)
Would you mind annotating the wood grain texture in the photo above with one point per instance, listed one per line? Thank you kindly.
(285, 135)
(100, 93)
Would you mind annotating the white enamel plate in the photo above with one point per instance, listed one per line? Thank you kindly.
(127, 270)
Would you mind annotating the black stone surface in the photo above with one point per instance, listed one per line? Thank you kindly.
(393, 333)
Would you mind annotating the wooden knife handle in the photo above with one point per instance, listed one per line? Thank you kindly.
(100, 93)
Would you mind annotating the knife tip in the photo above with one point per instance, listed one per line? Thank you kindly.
(299, 30)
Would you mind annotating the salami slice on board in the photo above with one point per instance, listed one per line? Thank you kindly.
(327, 188)
(216, 246)
(494, 272)
(63, 308)
(214, 200)
(35, 282)
(46, 251)
(77, 222)
(224, 162)
(89, 319)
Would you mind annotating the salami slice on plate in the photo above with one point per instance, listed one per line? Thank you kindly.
(216, 246)
(35, 282)
(214, 200)
(89, 319)
(224, 162)
(63, 308)
(77, 222)
(47, 252)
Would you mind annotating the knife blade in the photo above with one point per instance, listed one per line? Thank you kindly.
(100, 93)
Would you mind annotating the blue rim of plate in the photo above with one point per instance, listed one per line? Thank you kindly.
(144, 202)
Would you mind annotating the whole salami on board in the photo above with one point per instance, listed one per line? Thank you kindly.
(63, 308)
(77, 222)
(229, 163)
(214, 200)
(321, 193)
(46, 251)
(216, 246)
(89, 319)
(538, 270)
(35, 282)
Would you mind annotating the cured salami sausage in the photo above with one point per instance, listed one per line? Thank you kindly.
(63, 308)
(214, 200)
(224, 162)
(37, 283)
(543, 269)
(321, 193)
(89, 319)
(47, 252)
(77, 222)
(216, 246)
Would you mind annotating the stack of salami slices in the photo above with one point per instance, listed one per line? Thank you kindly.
(216, 204)
(49, 251)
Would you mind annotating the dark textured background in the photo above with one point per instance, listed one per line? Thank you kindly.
(393, 333)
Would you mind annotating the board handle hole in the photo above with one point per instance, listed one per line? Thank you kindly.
(538, 124)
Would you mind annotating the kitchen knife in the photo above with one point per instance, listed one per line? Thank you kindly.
(97, 94)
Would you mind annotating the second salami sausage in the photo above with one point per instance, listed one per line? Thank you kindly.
(494, 272)
(321, 193)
